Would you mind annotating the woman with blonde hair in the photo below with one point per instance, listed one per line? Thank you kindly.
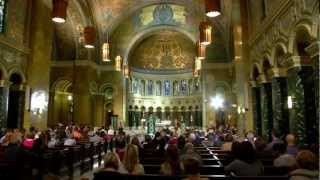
(131, 160)
(111, 167)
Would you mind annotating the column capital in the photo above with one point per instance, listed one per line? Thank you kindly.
(277, 72)
(292, 61)
(4, 83)
(313, 49)
(253, 83)
(262, 79)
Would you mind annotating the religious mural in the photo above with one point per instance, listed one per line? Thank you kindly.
(167, 50)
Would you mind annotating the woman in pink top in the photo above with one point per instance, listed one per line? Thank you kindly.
(28, 142)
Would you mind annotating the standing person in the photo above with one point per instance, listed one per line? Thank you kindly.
(131, 160)
(172, 166)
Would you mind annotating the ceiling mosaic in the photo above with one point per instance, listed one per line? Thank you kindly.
(124, 21)
(166, 50)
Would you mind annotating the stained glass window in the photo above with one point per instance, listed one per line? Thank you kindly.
(184, 87)
(167, 88)
(150, 87)
(2, 14)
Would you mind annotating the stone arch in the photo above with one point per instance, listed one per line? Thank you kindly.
(104, 86)
(3, 72)
(266, 66)
(302, 31)
(62, 85)
(279, 49)
(255, 71)
(16, 70)
(150, 31)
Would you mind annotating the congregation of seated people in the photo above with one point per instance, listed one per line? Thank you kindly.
(215, 154)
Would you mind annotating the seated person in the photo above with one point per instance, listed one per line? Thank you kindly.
(245, 163)
(172, 165)
(226, 146)
(131, 160)
(283, 159)
(28, 142)
(291, 146)
(307, 166)
(192, 169)
(69, 141)
(111, 166)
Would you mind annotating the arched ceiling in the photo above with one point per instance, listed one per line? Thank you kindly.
(165, 50)
(123, 20)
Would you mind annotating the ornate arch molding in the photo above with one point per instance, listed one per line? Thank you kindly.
(254, 66)
(62, 83)
(302, 27)
(4, 72)
(280, 46)
(104, 86)
(150, 31)
(17, 70)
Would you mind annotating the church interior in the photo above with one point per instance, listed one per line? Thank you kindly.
(165, 89)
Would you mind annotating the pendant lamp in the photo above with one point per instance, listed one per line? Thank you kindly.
(106, 52)
(59, 11)
(201, 51)
(118, 63)
(205, 33)
(213, 8)
(89, 37)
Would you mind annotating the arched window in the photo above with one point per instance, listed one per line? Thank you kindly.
(3, 4)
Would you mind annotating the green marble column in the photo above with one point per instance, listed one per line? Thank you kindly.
(266, 110)
(4, 93)
(297, 113)
(130, 118)
(280, 107)
(256, 109)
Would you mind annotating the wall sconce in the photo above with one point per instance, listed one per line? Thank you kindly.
(290, 102)
(39, 102)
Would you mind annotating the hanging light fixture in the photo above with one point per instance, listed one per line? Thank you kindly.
(118, 63)
(59, 11)
(205, 33)
(213, 8)
(126, 71)
(89, 37)
(201, 51)
(197, 64)
(196, 73)
(106, 52)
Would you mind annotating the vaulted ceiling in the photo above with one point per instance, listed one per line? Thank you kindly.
(126, 22)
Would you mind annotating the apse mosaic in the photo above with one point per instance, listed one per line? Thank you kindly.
(161, 14)
(166, 50)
